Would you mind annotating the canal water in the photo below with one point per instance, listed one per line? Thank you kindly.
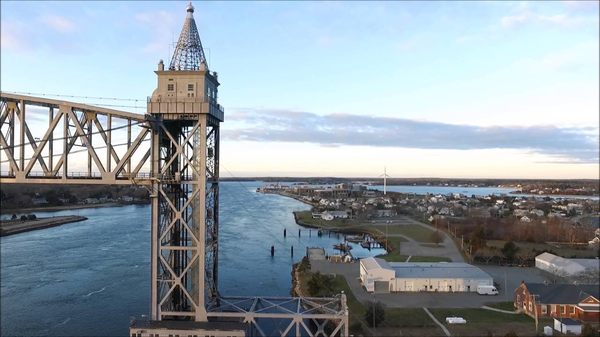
(89, 278)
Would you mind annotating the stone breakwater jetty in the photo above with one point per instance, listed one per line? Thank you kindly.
(9, 227)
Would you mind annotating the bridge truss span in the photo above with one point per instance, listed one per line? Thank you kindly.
(52, 141)
(286, 316)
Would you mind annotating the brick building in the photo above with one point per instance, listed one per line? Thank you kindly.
(580, 302)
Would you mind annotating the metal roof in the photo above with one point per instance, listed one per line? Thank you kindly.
(561, 262)
(188, 54)
(438, 270)
(371, 263)
(568, 321)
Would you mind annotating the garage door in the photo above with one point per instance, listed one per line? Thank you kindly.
(382, 286)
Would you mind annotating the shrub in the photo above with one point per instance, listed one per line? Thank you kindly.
(321, 285)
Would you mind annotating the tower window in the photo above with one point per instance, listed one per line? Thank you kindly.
(170, 87)
(190, 87)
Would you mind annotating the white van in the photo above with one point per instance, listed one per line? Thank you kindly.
(487, 290)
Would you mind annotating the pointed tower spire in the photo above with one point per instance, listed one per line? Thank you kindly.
(188, 54)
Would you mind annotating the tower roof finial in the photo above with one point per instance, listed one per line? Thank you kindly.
(188, 54)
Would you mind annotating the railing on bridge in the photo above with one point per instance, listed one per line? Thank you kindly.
(45, 141)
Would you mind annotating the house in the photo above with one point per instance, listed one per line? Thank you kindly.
(537, 212)
(330, 215)
(520, 212)
(385, 213)
(91, 200)
(579, 302)
(39, 201)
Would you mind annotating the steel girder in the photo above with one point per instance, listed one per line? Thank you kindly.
(50, 141)
(286, 316)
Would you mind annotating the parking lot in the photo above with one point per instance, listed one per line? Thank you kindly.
(514, 276)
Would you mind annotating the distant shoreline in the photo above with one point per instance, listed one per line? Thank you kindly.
(11, 227)
(63, 208)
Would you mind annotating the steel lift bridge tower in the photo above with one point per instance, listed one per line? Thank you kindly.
(182, 126)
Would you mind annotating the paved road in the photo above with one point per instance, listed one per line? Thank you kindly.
(514, 276)
(446, 332)
(433, 300)
(411, 247)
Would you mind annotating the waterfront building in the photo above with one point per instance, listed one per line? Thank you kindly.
(378, 275)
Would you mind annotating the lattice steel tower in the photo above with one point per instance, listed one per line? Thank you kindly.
(185, 121)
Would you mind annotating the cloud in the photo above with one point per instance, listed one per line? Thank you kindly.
(577, 57)
(582, 5)
(12, 39)
(161, 22)
(577, 145)
(524, 16)
(58, 23)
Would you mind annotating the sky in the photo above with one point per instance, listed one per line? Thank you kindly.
(426, 89)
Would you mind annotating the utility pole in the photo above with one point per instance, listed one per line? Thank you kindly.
(373, 307)
(386, 236)
(535, 313)
(505, 286)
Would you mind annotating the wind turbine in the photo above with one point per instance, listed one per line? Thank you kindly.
(385, 176)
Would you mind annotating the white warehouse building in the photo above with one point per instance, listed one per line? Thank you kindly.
(377, 275)
(565, 267)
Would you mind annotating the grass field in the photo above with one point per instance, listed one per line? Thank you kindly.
(479, 316)
(481, 322)
(306, 218)
(394, 257)
(407, 317)
(509, 306)
(415, 232)
(357, 309)
(394, 317)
